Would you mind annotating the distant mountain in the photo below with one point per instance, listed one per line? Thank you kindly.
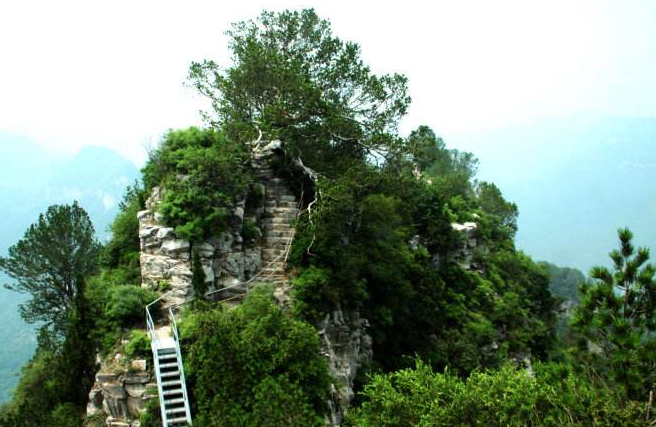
(31, 179)
(576, 181)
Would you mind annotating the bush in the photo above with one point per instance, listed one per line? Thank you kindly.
(202, 174)
(66, 415)
(507, 397)
(152, 417)
(122, 250)
(249, 230)
(139, 344)
(126, 304)
(253, 365)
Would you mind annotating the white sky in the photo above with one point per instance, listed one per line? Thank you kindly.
(112, 73)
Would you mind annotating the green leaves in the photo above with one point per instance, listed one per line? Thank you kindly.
(616, 316)
(554, 396)
(254, 366)
(203, 175)
(292, 79)
(54, 251)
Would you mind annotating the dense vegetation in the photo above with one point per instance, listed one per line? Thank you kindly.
(453, 338)
(553, 395)
(271, 373)
(564, 281)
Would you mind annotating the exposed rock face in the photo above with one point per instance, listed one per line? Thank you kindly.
(227, 259)
(165, 258)
(121, 395)
(465, 255)
(347, 346)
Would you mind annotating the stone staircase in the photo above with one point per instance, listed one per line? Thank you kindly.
(277, 221)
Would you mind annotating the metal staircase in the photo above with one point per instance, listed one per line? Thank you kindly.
(169, 372)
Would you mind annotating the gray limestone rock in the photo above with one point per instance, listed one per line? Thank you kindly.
(347, 346)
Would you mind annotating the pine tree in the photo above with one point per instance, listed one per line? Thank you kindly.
(46, 261)
(615, 320)
(77, 361)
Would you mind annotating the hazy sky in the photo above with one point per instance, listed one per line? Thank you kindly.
(112, 73)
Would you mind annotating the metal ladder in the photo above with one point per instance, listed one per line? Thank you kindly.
(169, 372)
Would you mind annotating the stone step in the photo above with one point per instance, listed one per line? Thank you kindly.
(278, 240)
(271, 251)
(279, 219)
(273, 272)
(277, 226)
(277, 234)
(287, 210)
(280, 204)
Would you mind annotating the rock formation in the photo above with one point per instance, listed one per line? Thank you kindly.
(121, 392)
(347, 347)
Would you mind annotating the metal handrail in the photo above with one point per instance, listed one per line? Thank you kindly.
(285, 253)
(150, 324)
(174, 328)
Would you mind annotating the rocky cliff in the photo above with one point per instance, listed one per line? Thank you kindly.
(121, 391)
(231, 260)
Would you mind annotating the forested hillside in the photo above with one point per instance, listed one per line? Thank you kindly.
(324, 268)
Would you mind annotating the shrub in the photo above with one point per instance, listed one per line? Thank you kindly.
(249, 230)
(253, 365)
(152, 417)
(506, 397)
(66, 415)
(139, 344)
(202, 174)
(126, 303)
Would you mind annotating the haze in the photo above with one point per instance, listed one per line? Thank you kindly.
(76, 72)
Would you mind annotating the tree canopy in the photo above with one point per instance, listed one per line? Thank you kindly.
(54, 251)
(616, 318)
(291, 78)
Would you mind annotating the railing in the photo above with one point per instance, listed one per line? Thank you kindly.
(150, 324)
(174, 327)
(257, 275)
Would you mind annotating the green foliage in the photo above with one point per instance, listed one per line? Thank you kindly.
(253, 365)
(152, 417)
(198, 282)
(122, 250)
(77, 363)
(249, 230)
(615, 319)
(66, 415)
(361, 256)
(313, 292)
(55, 250)
(296, 81)
(125, 304)
(564, 281)
(202, 174)
(139, 345)
(507, 397)
(501, 214)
